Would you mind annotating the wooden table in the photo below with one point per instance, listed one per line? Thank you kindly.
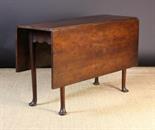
(78, 49)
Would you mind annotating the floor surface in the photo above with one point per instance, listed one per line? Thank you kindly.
(89, 107)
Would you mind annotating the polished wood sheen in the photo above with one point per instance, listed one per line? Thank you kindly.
(78, 49)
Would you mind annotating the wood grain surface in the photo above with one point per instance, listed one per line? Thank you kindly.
(81, 48)
(89, 50)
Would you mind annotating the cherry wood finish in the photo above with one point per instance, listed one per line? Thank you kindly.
(78, 49)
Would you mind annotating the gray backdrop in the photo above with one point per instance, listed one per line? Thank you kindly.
(13, 12)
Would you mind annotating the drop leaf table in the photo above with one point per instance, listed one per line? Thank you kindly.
(78, 49)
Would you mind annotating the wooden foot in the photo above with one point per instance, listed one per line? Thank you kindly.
(33, 70)
(96, 82)
(62, 102)
(62, 112)
(33, 103)
(124, 89)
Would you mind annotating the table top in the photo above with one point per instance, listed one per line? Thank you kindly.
(49, 26)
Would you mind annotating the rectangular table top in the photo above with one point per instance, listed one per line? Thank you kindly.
(50, 26)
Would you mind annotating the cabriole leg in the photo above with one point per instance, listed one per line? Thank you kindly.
(124, 89)
(62, 102)
(96, 82)
(32, 47)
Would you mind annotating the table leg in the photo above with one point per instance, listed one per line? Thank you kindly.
(96, 82)
(62, 101)
(32, 47)
(124, 89)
